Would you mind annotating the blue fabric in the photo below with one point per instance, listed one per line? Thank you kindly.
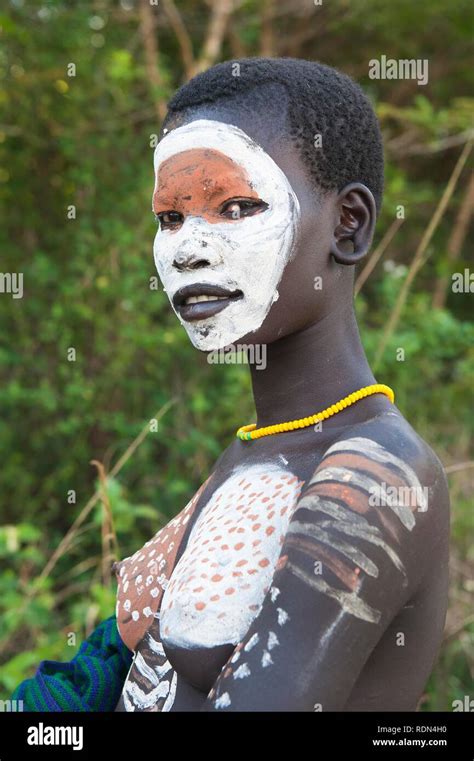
(91, 681)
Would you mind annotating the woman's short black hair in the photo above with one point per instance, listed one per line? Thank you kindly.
(330, 119)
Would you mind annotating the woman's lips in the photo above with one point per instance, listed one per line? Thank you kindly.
(202, 309)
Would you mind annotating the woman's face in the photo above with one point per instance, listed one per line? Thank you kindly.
(228, 222)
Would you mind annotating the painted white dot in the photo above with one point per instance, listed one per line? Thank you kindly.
(135, 615)
(252, 642)
(272, 640)
(242, 671)
(282, 616)
(223, 701)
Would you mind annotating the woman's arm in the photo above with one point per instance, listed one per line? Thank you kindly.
(347, 566)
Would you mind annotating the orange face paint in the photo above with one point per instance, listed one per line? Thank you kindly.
(198, 182)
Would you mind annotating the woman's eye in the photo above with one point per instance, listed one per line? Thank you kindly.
(242, 207)
(169, 219)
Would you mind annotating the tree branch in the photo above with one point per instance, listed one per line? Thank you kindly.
(267, 41)
(182, 35)
(150, 44)
(456, 240)
(378, 253)
(221, 13)
(418, 259)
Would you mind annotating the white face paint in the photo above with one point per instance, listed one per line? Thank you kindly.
(248, 254)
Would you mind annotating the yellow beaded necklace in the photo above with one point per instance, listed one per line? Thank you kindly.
(246, 432)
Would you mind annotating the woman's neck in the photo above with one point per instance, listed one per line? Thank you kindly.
(311, 369)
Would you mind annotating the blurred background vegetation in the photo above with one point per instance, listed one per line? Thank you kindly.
(85, 141)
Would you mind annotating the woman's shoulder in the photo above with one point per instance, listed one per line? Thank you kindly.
(390, 436)
(395, 467)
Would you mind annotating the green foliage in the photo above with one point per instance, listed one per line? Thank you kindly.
(86, 141)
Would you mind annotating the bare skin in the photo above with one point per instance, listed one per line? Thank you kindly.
(354, 614)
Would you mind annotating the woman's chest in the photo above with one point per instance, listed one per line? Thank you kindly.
(209, 598)
(219, 583)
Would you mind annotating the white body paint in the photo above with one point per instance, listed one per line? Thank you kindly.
(251, 643)
(223, 701)
(249, 254)
(378, 453)
(242, 671)
(162, 678)
(234, 545)
(342, 520)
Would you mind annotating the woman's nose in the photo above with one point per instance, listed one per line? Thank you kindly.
(191, 258)
(197, 247)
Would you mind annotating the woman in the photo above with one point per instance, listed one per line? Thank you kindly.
(309, 571)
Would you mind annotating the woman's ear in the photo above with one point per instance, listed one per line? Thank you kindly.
(355, 224)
